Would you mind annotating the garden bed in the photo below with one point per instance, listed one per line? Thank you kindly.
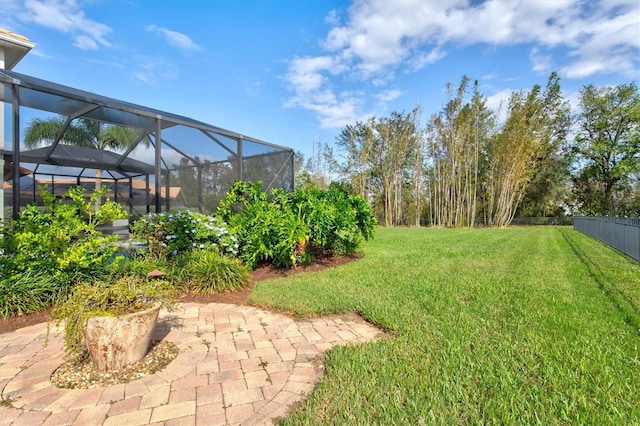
(240, 297)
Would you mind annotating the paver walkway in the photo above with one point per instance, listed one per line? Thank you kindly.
(237, 365)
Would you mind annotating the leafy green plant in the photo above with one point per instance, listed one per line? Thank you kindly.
(241, 195)
(268, 231)
(287, 228)
(62, 238)
(140, 265)
(170, 234)
(119, 296)
(339, 221)
(48, 249)
(106, 211)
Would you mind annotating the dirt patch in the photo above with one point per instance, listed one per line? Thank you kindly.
(236, 298)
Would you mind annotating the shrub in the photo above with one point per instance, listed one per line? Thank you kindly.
(199, 271)
(27, 292)
(338, 221)
(48, 250)
(170, 234)
(285, 228)
(268, 231)
(139, 266)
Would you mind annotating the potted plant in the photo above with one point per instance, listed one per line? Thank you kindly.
(112, 320)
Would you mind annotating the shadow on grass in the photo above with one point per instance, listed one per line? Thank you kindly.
(618, 298)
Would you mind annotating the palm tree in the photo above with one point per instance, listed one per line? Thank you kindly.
(82, 132)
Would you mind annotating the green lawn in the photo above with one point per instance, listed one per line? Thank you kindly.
(535, 325)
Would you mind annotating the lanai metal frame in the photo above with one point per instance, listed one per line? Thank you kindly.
(165, 131)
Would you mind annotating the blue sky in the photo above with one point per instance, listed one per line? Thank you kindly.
(296, 72)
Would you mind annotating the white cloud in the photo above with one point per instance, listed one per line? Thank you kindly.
(10, 10)
(378, 38)
(305, 74)
(333, 18)
(153, 69)
(85, 43)
(306, 77)
(541, 62)
(499, 102)
(388, 95)
(422, 59)
(333, 111)
(607, 45)
(174, 38)
(66, 16)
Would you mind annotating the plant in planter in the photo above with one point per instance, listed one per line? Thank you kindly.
(113, 321)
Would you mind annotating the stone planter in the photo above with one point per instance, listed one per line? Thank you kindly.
(115, 342)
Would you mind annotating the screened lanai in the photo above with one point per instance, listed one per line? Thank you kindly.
(167, 161)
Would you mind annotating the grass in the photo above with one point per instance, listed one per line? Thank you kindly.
(536, 325)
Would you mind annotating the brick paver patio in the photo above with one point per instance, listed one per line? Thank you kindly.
(237, 365)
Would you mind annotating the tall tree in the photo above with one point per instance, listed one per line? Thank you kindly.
(607, 145)
(357, 144)
(548, 193)
(81, 132)
(397, 138)
(417, 174)
(378, 159)
(533, 129)
(318, 170)
(185, 175)
(456, 138)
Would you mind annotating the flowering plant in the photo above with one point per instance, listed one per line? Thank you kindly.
(169, 234)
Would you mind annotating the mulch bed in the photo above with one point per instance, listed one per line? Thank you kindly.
(237, 298)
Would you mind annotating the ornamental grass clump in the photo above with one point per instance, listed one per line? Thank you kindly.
(206, 272)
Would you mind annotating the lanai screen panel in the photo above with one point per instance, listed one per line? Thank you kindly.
(268, 164)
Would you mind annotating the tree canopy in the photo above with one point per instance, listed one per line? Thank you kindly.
(607, 146)
(466, 167)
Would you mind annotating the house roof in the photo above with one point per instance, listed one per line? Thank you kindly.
(15, 47)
